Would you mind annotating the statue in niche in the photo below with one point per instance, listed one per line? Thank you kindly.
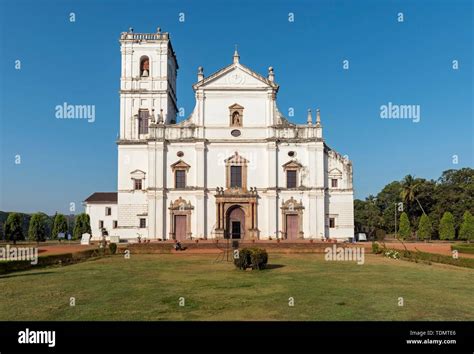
(145, 68)
(236, 118)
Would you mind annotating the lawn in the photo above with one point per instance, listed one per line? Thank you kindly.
(149, 287)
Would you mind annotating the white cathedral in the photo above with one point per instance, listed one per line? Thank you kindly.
(235, 168)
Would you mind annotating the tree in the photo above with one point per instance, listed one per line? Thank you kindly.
(367, 216)
(404, 230)
(424, 227)
(454, 193)
(385, 202)
(13, 228)
(466, 232)
(409, 187)
(417, 196)
(82, 225)
(38, 229)
(446, 227)
(59, 225)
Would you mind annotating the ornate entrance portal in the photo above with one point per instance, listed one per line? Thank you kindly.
(236, 214)
(235, 225)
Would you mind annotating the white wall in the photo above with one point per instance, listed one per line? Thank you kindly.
(206, 141)
(96, 212)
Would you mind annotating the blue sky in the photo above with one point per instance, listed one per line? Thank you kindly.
(63, 161)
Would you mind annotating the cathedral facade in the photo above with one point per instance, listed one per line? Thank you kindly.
(235, 167)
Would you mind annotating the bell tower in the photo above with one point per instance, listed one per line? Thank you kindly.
(147, 83)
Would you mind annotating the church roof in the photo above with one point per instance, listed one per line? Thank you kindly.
(235, 64)
(102, 197)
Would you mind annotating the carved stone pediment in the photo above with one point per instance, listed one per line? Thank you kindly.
(292, 204)
(180, 165)
(137, 174)
(236, 159)
(181, 204)
(293, 164)
(335, 173)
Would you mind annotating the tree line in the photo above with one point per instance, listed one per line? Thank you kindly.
(417, 208)
(40, 227)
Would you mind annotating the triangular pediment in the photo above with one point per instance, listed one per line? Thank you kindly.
(236, 106)
(180, 164)
(335, 172)
(138, 174)
(235, 75)
(292, 164)
(236, 159)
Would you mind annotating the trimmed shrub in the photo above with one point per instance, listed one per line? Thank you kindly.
(466, 232)
(48, 260)
(113, 248)
(404, 229)
(13, 227)
(259, 258)
(38, 228)
(376, 248)
(467, 248)
(424, 227)
(255, 258)
(438, 258)
(446, 227)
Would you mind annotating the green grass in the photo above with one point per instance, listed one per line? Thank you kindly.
(148, 287)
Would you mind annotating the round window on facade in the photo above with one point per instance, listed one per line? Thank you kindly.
(180, 154)
(291, 153)
(235, 133)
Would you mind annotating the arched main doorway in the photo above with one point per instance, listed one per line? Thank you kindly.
(235, 227)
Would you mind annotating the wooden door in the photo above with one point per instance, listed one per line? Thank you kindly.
(180, 227)
(292, 227)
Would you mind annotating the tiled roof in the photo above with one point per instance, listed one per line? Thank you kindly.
(100, 197)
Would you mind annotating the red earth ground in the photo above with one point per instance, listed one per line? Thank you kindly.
(443, 248)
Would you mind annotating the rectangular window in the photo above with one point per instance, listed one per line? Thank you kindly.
(180, 179)
(115, 224)
(291, 179)
(332, 223)
(236, 176)
(142, 223)
(137, 184)
(101, 224)
(334, 183)
(143, 121)
(108, 211)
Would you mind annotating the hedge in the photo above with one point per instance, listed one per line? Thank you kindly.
(255, 258)
(53, 259)
(437, 258)
(466, 248)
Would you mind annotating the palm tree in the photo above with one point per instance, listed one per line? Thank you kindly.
(409, 189)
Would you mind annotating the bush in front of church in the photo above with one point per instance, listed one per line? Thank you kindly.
(255, 258)
(113, 248)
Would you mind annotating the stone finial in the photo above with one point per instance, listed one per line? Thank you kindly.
(130, 29)
(318, 116)
(236, 55)
(200, 73)
(160, 117)
(152, 118)
(310, 118)
(271, 74)
(158, 30)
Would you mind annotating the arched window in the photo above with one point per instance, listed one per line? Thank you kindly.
(144, 67)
